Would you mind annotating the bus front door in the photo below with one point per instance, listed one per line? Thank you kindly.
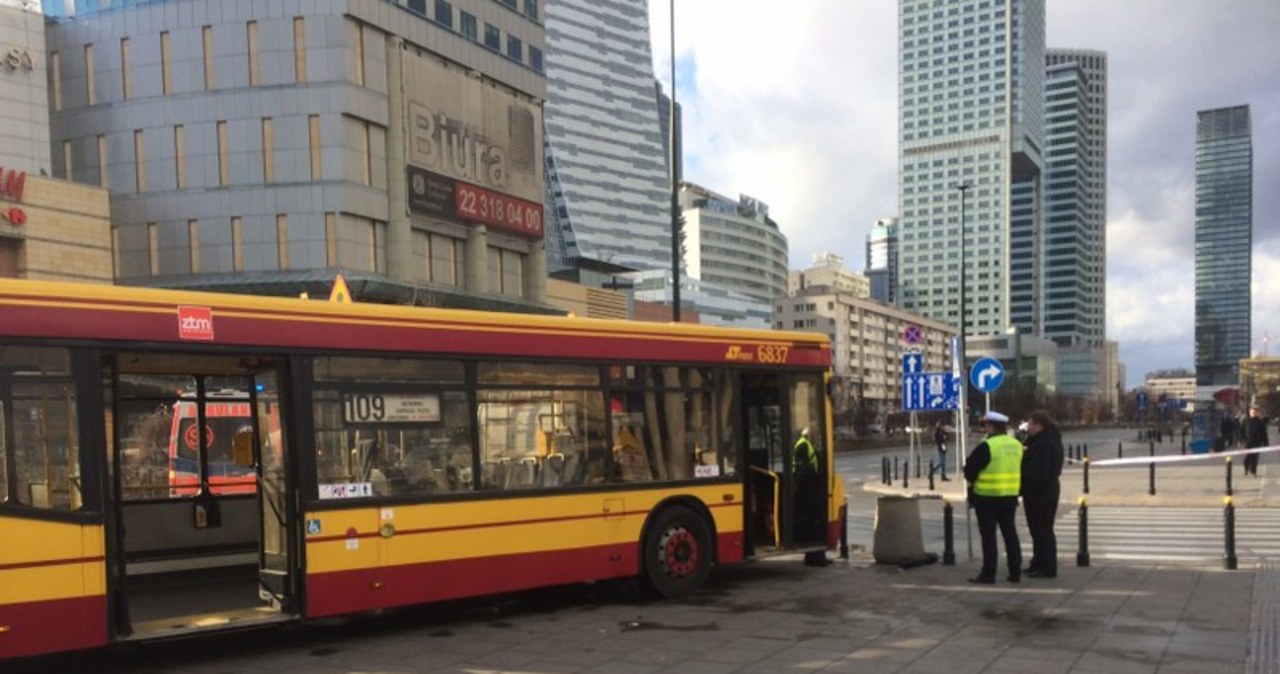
(786, 484)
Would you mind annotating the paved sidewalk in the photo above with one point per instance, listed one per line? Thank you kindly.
(781, 616)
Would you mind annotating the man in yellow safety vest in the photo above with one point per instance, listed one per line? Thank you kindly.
(994, 472)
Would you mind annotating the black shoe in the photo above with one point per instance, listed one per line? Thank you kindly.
(1014, 579)
(1031, 570)
(1041, 573)
(983, 580)
(946, 479)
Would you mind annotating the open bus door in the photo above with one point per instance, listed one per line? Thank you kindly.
(203, 529)
(786, 498)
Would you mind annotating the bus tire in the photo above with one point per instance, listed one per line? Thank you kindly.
(677, 552)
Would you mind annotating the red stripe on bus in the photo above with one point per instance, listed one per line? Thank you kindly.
(364, 589)
(50, 562)
(35, 628)
(401, 335)
(493, 525)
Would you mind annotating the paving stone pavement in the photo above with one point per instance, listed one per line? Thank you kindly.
(781, 616)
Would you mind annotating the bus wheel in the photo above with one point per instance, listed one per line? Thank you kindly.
(677, 552)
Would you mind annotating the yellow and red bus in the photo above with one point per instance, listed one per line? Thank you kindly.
(174, 462)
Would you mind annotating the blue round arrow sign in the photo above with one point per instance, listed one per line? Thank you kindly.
(987, 375)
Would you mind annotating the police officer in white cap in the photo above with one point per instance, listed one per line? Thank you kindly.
(994, 472)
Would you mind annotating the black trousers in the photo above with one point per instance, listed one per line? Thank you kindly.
(1041, 512)
(1251, 464)
(1000, 513)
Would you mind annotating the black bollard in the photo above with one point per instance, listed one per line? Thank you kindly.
(1086, 450)
(948, 535)
(844, 531)
(1086, 475)
(1151, 479)
(1119, 450)
(1184, 445)
(917, 465)
(1229, 490)
(895, 469)
(930, 476)
(1153, 448)
(1229, 561)
(906, 472)
(884, 470)
(1082, 549)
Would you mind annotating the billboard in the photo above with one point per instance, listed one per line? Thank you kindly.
(475, 150)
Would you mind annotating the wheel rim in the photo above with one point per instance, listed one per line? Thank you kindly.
(678, 552)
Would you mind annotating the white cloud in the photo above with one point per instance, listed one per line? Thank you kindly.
(796, 104)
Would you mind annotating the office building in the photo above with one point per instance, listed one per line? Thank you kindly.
(50, 229)
(882, 260)
(971, 92)
(1170, 384)
(828, 270)
(733, 244)
(866, 345)
(264, 147)
(608, 196)
(1224, 243)
(700, 302)
(1071, 302)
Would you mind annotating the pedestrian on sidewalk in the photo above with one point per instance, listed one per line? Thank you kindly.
(940, 441)
(1227, 431)
(994, 472)
(1041, 486)
(1255, 435)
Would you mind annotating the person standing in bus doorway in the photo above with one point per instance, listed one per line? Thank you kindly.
(1255, 435)
(994, 472)
(808, 514)
(1041, 487)
(940, 441)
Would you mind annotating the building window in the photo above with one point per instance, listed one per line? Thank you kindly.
(299, 49)
(210, 82)
(282, 241)
(102, 160)
(506, 272)
(55, 73)
(515, 48)
(268, 151)
(366, 154)
(91, 91)
(66, 160)
(237, 243)
(126, 69)
(535, 58)
(180, 156)
(492, 37)
(166, 63)
(313, 124)
(193, 239)
(255, 69)
(444, 14)
(444, 256)
(469, 30)
(224, 159)
(359, 47)
(139, 162)
(418, 6)
(331, 239)
(531, 9)
(153, 247)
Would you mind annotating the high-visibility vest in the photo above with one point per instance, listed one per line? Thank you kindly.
(1003, 476)
(806, 454)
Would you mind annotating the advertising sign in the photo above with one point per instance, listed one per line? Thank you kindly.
(475, 150)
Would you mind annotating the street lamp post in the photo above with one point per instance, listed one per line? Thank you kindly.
(963, 424)
(675, 180)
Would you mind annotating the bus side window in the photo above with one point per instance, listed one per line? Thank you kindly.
(39, 413)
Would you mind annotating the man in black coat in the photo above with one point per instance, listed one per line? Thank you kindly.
(1041, 471)
(1255, 435)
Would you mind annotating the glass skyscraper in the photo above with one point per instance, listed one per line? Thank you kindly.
(971, 92)
(1224, 242)
(608, 194)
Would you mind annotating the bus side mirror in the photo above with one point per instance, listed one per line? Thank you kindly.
(242, 449)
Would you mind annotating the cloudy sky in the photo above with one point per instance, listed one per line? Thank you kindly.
(798, 108)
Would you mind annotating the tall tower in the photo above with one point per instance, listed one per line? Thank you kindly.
(1073, 285)
(882, 260)
(609, 199)
(1224, 242)
(971, 91)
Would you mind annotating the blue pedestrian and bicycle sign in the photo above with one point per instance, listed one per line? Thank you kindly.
(987, 375)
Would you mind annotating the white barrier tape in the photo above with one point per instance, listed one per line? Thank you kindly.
(1180, 458)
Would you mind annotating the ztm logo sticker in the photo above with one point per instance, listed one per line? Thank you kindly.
(195, 323)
